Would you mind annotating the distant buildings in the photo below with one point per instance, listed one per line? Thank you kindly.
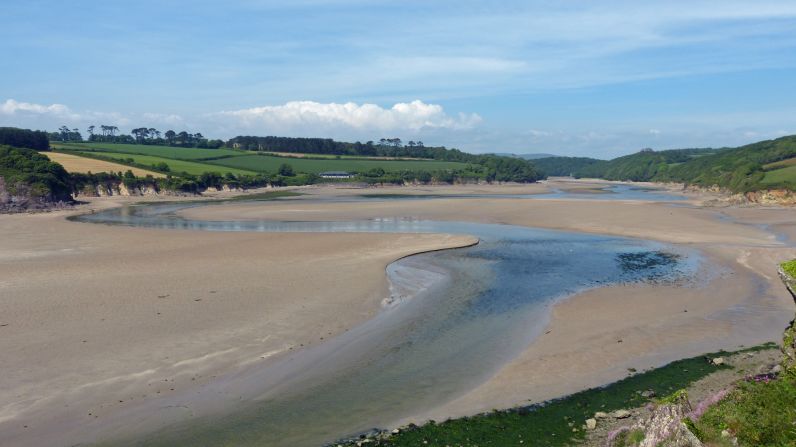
(336, 174)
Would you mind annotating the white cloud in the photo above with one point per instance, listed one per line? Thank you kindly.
(13, 107)
(655, 132)
(413, 116)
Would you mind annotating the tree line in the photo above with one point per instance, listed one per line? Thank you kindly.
(33, 139)
(140, 135)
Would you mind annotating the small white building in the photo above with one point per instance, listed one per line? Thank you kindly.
(336, 174)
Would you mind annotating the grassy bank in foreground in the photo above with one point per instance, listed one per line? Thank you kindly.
(557, 423)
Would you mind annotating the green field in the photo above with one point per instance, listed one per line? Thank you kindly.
(176, 166)
(781, 164)
(265, 163)
(176, 153)
(197, 161)
(780, 176)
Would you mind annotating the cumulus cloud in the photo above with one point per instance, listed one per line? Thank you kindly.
(13, 107)
(412, 116)
(54, 115)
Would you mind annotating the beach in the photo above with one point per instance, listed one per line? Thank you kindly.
(97, 318)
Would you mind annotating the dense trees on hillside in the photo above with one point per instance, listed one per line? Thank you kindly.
(641, 166)
(31, 139)
(563, 166)
(26, 175)
(738, 169)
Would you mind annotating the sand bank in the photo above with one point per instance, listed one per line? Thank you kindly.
(97, 315)
(596, 337)
(97, 318)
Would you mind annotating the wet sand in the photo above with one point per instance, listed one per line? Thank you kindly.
(96, 318)
(744, 302)
(96, 314)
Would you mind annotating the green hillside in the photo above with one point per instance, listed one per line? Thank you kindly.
(447, 166)
(563, 166)
(270, 164)
(175, 166)
(764, 165)
(176, 153)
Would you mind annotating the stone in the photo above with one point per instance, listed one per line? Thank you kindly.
(600, 415)
(648, 394)
(591, 424)
(725, 433)
(718, 361)
(621, 414)
(776, 369)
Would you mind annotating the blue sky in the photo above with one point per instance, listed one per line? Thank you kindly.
(566, 77)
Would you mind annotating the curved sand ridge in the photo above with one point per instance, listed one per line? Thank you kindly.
(595, 337)
(98, 319)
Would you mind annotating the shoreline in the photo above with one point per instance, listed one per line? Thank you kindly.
(181, 335)
(687, 227)
(748, 251)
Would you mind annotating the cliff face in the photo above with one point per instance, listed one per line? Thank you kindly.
(22, 197)
(772, 197)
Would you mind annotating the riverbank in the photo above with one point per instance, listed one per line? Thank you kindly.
(597, 336)
(96, 319)
(166, 311)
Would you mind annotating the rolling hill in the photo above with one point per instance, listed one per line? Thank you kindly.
(769, 164)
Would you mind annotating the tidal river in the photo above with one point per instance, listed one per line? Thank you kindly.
(456, 316)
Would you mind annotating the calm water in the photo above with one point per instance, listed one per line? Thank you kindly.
(474, 310)
(608, 192)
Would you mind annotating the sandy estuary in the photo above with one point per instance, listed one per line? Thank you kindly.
(274, 323)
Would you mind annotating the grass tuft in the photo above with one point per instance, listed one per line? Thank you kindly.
(789, 267)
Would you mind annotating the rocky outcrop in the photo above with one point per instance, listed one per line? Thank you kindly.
(24, 198)
(116, 189)
(662, 425)
(784, 197)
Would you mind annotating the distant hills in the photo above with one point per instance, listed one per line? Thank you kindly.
(769, 164)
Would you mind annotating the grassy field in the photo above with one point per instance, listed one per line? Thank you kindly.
(264, 163)
(176, 153)
(76, 163)
(176, 166)
(330, 156)
(196, 161)
(780, 164)
(780, 176)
